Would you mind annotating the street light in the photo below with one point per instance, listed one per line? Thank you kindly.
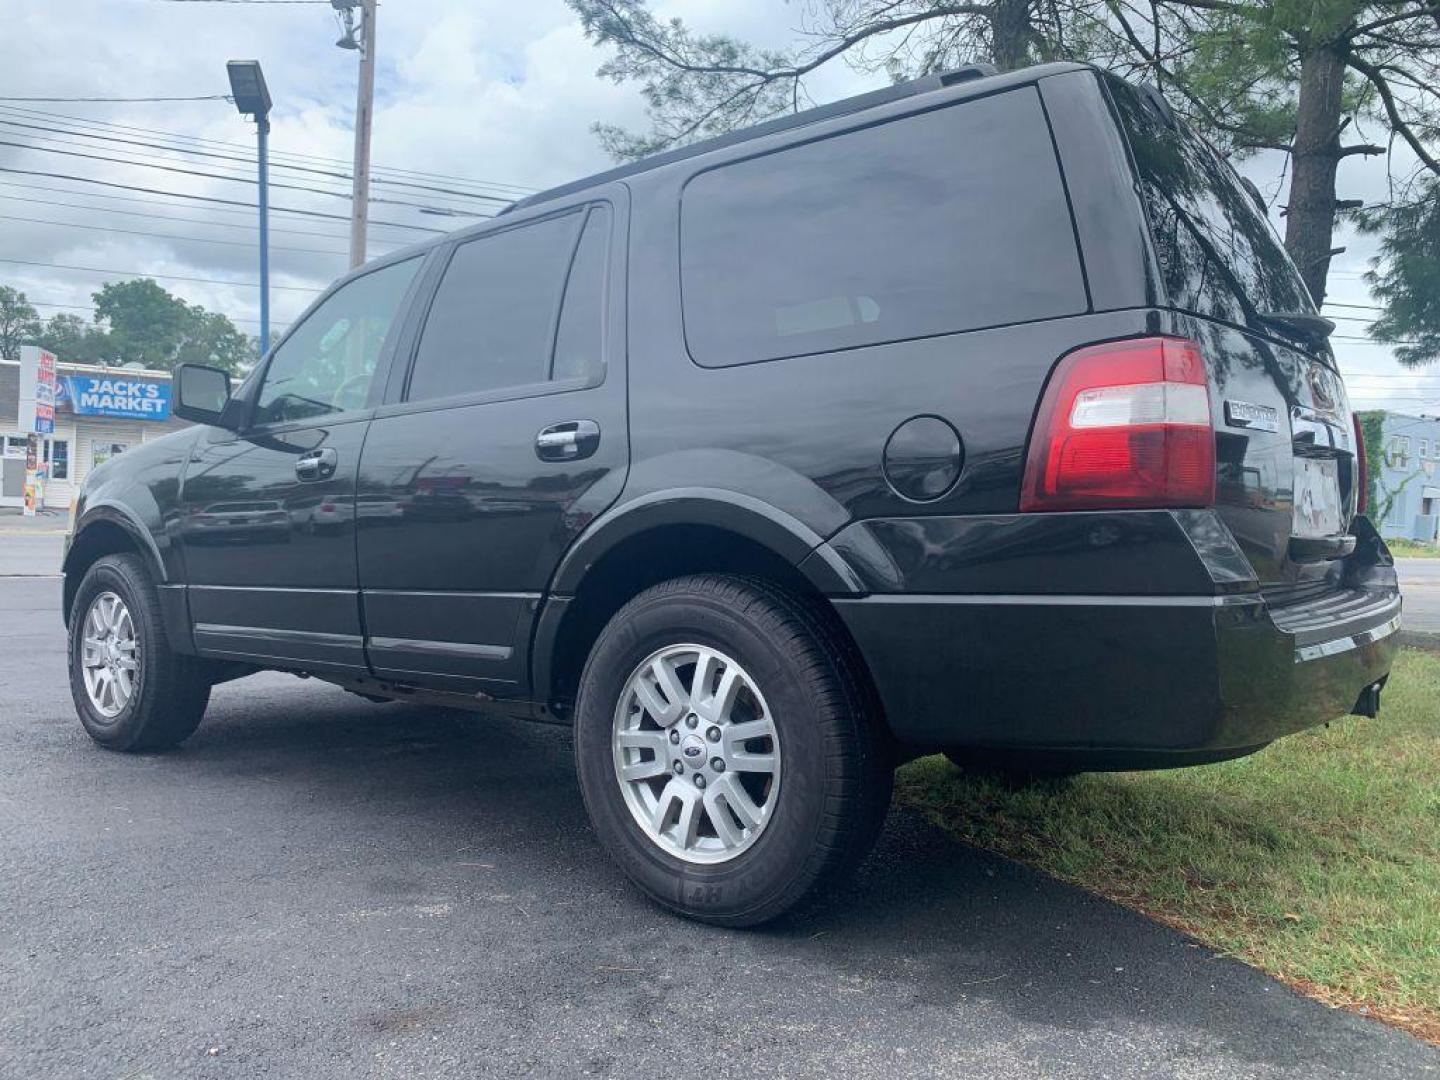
(252, 98)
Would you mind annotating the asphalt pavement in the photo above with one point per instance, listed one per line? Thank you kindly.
(30, 549)
(1420, 582)
(315, 886)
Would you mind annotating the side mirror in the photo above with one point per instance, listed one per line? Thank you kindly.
(201, 393)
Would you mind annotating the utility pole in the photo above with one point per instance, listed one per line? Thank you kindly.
(364, 109)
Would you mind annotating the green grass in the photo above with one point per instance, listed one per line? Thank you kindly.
(1317, 859)
(1412, 549)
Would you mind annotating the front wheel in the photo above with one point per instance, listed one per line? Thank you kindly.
(131, 690)
(727, 749)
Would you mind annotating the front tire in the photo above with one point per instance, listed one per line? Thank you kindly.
(728, 751)
(131, 690)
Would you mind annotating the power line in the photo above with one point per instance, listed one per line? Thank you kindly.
(1411, 385)
(1349, 378)
(91, 307)
(275, 154)
(205, 198)
(165, 236)
(108, 126)
(149, 274)
(232, 179)
(331, 173)
(159, 199)
(168, 217)
(123, 100)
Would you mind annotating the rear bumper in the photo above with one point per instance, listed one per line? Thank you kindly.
(1122, 681)
(1112, 681)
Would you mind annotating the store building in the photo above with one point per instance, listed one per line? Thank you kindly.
(1409, 481)
(99, 412)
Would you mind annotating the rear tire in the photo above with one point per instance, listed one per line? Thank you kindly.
(817, 781)
(131, 690)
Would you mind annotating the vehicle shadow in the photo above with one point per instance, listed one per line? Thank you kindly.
(928, 928)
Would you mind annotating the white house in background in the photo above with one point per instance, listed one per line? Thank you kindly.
(99, 412)
(1410, 477)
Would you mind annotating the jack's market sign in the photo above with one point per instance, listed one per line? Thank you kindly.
(115, 396)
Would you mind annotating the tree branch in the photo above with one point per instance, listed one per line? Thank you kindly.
(1418, 13)
(1392, 110)
(796, 71)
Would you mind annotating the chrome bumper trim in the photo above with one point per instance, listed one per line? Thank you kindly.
(1350, 641)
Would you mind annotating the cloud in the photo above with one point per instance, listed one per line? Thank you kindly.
(490, 90)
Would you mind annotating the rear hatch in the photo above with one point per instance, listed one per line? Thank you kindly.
(1287, 480)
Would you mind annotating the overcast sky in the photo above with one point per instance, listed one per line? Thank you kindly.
(493, 91)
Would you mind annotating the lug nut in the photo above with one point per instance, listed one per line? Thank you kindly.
(713, 734)
(679, 768)
(674, 737)
(692, 721)
(718, 764)
(699, 780)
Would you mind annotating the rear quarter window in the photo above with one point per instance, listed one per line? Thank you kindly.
(1217, 251)
(945, 221)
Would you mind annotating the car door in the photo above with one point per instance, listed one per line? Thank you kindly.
(267, 524)
(503, 437)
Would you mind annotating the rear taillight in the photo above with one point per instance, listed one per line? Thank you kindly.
(1362, 471)
(1123, 424)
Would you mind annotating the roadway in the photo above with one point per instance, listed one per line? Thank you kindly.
(317, 886)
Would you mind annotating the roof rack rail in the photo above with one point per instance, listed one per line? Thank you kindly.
(966, 73)
(923, 84)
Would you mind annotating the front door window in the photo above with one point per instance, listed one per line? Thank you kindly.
(327, 364)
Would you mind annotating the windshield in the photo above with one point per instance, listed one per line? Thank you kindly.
(1218, 253)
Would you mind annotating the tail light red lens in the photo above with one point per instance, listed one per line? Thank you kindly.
(1125, 424)
(1362, 471)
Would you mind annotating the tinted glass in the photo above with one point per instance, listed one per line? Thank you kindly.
(492, 324)
(327, 364)
(952, 220)
(1216, 248)
(579, 351)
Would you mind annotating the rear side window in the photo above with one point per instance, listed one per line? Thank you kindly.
(946, 221)
(492, 324)
(1217, 250)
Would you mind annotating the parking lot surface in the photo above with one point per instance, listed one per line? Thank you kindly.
(315, 886)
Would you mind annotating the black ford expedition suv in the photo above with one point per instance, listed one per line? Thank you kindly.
(982, 414)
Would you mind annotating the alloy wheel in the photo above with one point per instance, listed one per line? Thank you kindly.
(110, 654)
(696, 753)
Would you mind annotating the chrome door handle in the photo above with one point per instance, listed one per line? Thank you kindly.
(570, 441)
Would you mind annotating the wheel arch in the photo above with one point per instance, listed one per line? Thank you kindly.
(744, 516)
(665, 536)
(105, 530)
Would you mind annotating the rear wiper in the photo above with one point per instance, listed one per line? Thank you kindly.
(1311, 327)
